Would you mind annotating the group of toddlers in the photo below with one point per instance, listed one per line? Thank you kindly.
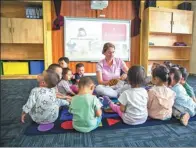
(169, 95)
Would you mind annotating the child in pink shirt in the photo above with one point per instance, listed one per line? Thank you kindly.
(64, 86)
(161, 98)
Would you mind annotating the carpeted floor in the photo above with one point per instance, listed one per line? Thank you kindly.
(14, 94)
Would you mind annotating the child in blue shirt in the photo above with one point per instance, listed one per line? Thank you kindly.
(184, 106)
(79, 73)
(184, 83)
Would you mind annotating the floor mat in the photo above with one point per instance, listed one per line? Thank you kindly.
(109, 122)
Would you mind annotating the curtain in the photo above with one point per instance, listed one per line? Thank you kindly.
(59, 21)
(136, 21)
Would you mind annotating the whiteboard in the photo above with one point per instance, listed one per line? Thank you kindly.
(84, 38)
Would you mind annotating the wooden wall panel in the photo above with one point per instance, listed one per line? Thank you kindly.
(120, 9)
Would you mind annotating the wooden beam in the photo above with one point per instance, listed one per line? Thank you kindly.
(47, 33)
(7, 77)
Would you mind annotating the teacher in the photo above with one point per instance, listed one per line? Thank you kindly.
(109, 68)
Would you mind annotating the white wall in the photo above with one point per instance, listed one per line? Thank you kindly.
(193, 51)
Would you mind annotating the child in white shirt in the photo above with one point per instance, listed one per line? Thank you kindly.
(133, 101)
(42, 105)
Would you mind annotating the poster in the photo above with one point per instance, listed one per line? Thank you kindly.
(84, 38)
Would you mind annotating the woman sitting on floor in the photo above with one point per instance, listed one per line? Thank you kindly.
(108, 71)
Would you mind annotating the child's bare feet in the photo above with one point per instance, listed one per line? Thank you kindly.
(185, 119)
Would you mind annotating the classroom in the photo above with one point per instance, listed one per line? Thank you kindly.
(98, 73)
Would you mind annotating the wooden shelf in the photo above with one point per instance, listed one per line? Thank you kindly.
(158, 46)
(17, 9)
(166, 59)
(7, 59)
(167, 33)
(4, 77)
(21, 1)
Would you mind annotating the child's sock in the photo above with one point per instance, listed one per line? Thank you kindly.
(184, 119)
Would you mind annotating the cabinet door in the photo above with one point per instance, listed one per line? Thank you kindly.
(182, 22)
(6, 34)
(160, 21)
(27, 30)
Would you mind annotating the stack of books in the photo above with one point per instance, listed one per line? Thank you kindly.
(34, 12)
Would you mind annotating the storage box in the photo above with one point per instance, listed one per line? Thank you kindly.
(13, 68)
(36, 67)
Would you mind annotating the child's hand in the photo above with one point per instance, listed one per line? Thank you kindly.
(68, 98)
(194, 99)
(23, 117)
(123, 76)
(59, 95)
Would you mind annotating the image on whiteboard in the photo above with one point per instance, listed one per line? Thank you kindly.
(71, 46)
(81, 32)
(113, 32)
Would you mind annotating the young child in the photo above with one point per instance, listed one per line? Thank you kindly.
(184, 83)
(154, 65)
(79, 73)
(57, 68)
(65, 84)
(63, 62)
(42, 105)
(168, 64)
(133, 102)
(184, 106)
(85, 107)
(161, 98)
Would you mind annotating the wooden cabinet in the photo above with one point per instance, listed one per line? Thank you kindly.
(6, 35)
(161, 29)
(160, 21)
(21, 30)
(182, 22)
(167, 21)
(27, 30)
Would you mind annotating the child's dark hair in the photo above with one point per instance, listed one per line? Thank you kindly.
(177, 74)
(184, 72)
(54, 66)
(175, 66)
(85, 81)
(66, 59)
(79, 65)
(168, 64)
(65, 71)
(161, 72)
(136, 75)
(52, 78)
